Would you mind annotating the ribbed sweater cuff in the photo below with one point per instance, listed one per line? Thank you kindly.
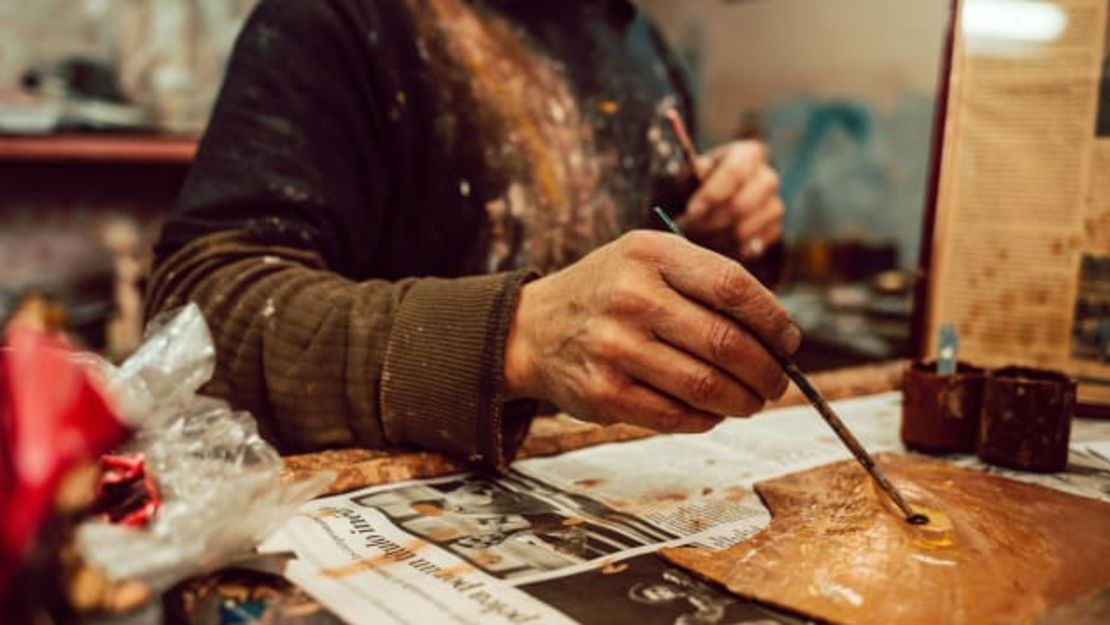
(442, 380)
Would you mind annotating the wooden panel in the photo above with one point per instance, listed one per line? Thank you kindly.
(98, 148)
(997, 550)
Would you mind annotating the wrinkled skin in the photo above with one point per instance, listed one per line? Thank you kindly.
(650, 330)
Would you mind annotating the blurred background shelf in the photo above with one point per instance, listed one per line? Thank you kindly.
(98, 148)
(79, 214)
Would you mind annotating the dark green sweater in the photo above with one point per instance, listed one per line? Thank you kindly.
(380, 177)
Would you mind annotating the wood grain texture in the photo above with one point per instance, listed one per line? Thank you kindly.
(360, 468)
(998, 551)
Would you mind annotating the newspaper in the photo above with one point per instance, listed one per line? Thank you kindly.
(1021, 246)
(571, 538)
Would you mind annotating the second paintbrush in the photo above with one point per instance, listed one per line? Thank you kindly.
(789, 367)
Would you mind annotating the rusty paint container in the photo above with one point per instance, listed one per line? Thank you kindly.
(1026, 420)
(940, 413)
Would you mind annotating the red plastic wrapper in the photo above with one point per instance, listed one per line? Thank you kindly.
(52, 416)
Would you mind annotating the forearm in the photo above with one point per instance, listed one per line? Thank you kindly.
(323, 361)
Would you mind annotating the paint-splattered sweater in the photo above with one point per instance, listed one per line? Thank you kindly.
(380, 177)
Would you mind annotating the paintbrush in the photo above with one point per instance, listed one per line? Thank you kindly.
(818, 400)
(789, 367)
(678, 126)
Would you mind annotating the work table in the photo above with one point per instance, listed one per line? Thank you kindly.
(683, 485)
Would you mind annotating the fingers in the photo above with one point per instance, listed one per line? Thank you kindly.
(650, 330)
(760, 230)
(761, 219)
(738, 197)
(696, 383)
(737, 163)
(725, 286)
(757, 194)
(754, 205)
(772, 234)
(723, 343)
(640, 405)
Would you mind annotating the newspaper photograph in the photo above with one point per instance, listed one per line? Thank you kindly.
(354, 560)
(647, 589)
(511, 528)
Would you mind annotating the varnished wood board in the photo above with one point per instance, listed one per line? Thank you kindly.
(998, 551)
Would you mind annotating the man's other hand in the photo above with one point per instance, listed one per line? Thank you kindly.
(650, 330)
(737, 209)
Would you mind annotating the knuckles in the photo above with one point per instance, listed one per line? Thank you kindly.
(728, 344)
(725, 341)
(736, 290)
(669, 419)
(777, 320)
(706, 387)
(733, 286)
(632, 294)
(609, 389)
(628, 297)
(610, 350)
(745, 154)
(739, 157)
(644, 246)
(768, 198)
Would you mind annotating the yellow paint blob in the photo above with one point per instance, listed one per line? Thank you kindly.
(938, 533)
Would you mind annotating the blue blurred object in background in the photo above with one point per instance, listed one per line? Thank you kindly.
(850, 172)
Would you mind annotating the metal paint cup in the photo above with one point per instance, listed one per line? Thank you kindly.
(1026, 420)
(940, 413)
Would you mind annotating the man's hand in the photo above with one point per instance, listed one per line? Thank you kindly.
(737, 209)
(650, 330)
